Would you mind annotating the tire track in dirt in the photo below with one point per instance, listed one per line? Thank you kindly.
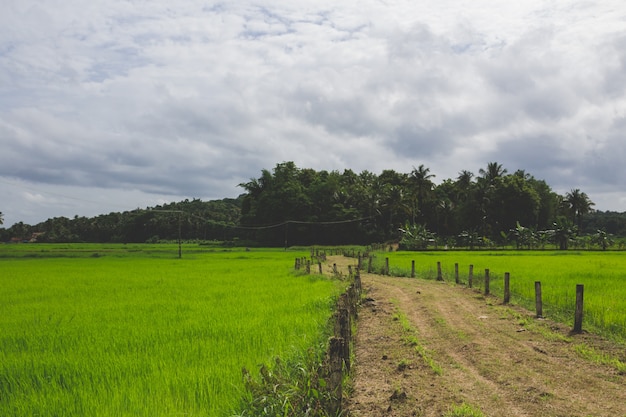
(496, 358)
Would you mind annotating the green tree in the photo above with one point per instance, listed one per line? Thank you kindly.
(578, 204)
(512, 200)
(602, 239)
(563, 232)
(421, 188)
(415, 237)
(1, 218)
(494, 171)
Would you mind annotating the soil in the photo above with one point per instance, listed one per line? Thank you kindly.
(426, 348)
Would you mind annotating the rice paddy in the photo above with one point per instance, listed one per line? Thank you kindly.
(126, 333)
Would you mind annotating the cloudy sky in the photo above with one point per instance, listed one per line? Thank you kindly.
(110, 105)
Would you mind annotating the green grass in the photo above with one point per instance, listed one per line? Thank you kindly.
(602, 274)
(134, 334)
(411, 339)
(464, 410)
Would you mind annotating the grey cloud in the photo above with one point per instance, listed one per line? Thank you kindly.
(191, 100)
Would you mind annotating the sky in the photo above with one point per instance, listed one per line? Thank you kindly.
(112, 105)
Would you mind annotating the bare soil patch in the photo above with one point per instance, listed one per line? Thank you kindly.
(424, 347)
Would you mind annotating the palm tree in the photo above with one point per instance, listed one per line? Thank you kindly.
(420, 177)
(494, 170)
(465, 178)
(578, 204)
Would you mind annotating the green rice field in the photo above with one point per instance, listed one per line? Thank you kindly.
(603, 275)
(95, 330)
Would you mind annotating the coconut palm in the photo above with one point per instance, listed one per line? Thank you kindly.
(578, 204)
(494, 170)
(420, 178)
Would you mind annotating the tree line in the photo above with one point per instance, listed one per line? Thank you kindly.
(492, 208)
(302, 206)
(188, 220)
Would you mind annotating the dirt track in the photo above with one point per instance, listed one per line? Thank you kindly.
(474, 350)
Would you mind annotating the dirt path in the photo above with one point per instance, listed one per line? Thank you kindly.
(424, 347)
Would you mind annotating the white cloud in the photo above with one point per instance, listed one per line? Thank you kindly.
(141, 101)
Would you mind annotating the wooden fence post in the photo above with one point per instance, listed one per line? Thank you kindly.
(335, 374)
(319, 266)
(456, 273)
(345, 332)
(413, 269)
(470, 279)
(357, 283)
(369, 265)
(486, 281)
(578, 317)
(538, 302)
(335, 269)
(386, 266)
(308, 266)
(439, 275)
(507, 291)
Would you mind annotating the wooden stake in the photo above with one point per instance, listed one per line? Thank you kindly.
(538, 302)
(578, 318)
(507, 291)
(486, 281)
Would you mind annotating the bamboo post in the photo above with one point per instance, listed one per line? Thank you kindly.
(487, 281)
(470, 279)
(335, 269)
(507, 290)
(335, 374)
(386, 266)
(439, 275)
(297, 264)
(308, 266)
(413, 269)
(538, 302)
(319, 266)
(578, 317)
(369, 265)
(456, 273)
(350, 271)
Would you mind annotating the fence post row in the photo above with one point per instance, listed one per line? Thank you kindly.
(335, 374)
(339, 344)
(578, 318)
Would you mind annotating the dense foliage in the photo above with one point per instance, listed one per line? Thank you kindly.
(189, 219)
(300, 206)
(466, 211)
